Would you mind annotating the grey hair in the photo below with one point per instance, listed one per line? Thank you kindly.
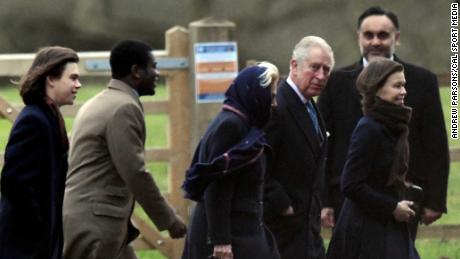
(302, 48)
(270, 75)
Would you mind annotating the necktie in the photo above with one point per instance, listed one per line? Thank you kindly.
(313, 117)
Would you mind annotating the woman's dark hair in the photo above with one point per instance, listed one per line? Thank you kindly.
(49, 61)
(127, 53)
(373, 77)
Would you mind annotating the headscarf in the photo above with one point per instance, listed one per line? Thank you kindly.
(246, 95)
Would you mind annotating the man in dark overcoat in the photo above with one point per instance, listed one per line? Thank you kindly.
(378, 34)
(298, 137)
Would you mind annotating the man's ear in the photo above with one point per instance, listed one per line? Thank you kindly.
(397, 37)
(135, 71)
(293, 65)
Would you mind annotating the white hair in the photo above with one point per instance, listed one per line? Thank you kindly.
(302, 48)
(270, 75)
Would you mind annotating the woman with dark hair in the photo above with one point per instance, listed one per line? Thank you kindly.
(227, 173)
(373, 221)
(34, 172)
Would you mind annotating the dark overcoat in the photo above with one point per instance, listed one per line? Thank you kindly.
(366, 227)
(231, 209)
(340, 106)
(32, 187)
(295, 177)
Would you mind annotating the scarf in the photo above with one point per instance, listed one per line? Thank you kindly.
(396, 119)
(245, 153)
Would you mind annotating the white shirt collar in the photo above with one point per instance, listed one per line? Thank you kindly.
(366, 62)
(296, 90)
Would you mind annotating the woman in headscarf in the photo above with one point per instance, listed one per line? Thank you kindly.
(227, 173)
(373, 221)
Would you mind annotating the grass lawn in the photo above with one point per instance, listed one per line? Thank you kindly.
(157, 126)
(427, 249)
(453, 197)
(435, 249)
(150, 255)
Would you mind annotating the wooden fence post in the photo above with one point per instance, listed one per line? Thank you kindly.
(177, 41)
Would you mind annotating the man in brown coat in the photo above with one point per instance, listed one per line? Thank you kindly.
(107, 170)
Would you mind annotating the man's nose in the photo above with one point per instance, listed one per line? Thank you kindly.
(375, 41)
(321, 74)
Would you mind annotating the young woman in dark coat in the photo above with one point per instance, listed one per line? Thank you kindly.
(227, 173)
(373, 221)
(34, 173)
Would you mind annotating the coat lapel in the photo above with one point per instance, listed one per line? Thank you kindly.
(354, 98)
(300, 114)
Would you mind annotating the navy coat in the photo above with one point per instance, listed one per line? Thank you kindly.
(295, 178)
(32, 187)
(230, 211)
(340, 106)
(366, 227)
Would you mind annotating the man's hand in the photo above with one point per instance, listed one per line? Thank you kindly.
(288, 211)
(223, 252)
(178, 229)
(429, 216)
(327, 217)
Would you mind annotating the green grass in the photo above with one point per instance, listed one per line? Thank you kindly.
(437, 249)
(159, 172)
(445, 100)
(427, 249)
(149, 254)
(453, 197)
(446, 249)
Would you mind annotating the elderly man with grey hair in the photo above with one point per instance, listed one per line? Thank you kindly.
(297, 135)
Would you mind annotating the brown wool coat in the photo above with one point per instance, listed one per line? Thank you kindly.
(107, 175)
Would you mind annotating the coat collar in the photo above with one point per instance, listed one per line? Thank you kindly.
(298, 110)
(122, 86)
(359, 65)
